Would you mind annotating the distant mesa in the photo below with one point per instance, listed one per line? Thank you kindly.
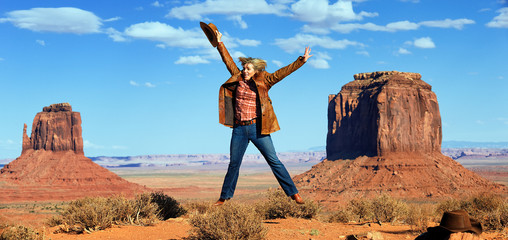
(384, 136)
(56, 128)
(52, 165)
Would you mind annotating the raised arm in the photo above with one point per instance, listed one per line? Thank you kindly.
(278, 75)
(226, 58)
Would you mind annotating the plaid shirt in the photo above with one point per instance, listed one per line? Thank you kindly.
(246, 107)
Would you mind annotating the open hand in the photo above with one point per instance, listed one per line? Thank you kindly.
(307, 54)
(219, 36)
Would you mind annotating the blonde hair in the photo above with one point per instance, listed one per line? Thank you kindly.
(258, 64)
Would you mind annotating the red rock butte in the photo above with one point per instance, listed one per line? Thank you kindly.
(384, 136)
(52, 165)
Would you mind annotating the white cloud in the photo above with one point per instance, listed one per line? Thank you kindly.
(112, 19)
(191, 60)
(448, 23)
(146, 84)
(248, 42)
(300, 41)
(239, 21)
(320, 61)
(500, 21)
(197, 11)
(401, 26)
(390, 27)
(412, 1)
(174, 37)
(321, 16)
(88, 144)
(364, 53)
(40, 42)
(319, 11)
(425, 42)
(115, 35)
(2, 59)
(61, 20)
(157, 4)
(403, 51)
(277, 63)
(503, 120)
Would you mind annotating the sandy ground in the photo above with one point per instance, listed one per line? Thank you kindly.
(294, 229)
(205, 186)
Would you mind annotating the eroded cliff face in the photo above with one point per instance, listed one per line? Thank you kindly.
(56, 128)
(384, 136)
(381, 113)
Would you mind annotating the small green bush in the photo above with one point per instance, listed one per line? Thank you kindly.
(278, 205)
(230, 221)
(21, 233)
(168, 206)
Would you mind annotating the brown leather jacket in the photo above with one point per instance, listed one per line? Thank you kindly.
(264, 81)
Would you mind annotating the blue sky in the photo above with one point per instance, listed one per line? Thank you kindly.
(146, 80)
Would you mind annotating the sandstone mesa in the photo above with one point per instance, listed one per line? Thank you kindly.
(384, 136)
(52, 165)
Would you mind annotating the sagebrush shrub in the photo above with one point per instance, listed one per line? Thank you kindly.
(168, 206)
(230, 221)
(342, 215)
(97, 213)
(489, 209)
(361, 209)
(196, 207)
(21, 233)
(278, 205)
(419, 216)
(388, 209)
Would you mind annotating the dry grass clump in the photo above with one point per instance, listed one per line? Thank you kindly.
(278, 205)
(388, 209)
(380, 209)
(419, 216)
(342, 215)
(231, 221)
(21, 233)
(489, 209)
(98, 213)
(197, 207)
(168, 206)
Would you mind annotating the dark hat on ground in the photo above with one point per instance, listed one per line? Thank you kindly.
(210, 32)
(457, 221)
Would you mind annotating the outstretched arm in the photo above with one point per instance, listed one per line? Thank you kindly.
(226, 58)
(285, 71)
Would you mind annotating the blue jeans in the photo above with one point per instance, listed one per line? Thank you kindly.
(239, 142)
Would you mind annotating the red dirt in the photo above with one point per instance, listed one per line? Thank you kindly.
(295, 229)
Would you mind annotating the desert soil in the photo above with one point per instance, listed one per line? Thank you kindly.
(204, 186)
(294, 229)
